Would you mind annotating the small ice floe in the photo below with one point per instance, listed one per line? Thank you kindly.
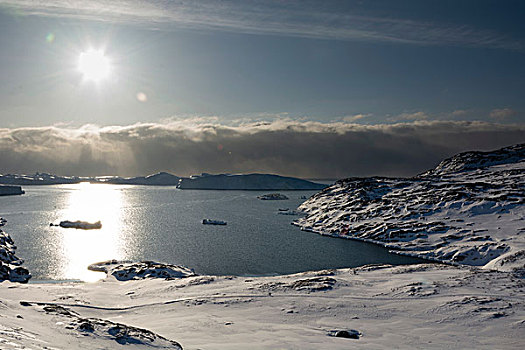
(273, 197)
(213, 222)
(126, 270)
(292, 212)
(84, 225)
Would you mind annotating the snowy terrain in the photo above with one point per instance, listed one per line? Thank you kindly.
(470, 209)
(459, 213)
(419, 306)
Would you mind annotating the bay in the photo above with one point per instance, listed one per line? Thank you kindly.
(165, 224)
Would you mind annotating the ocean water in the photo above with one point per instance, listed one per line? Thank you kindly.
(165, 224)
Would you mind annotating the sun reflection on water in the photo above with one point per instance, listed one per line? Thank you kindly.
(91, 202)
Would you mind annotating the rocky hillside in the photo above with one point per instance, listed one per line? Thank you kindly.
(470, 209)
(10, 268)
(467, 161)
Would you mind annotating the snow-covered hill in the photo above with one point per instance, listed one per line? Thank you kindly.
(470, 209)
(247, 182)
(476, 160)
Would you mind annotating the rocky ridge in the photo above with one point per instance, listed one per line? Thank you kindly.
(127, 270)
(469, 210)
(10, 268)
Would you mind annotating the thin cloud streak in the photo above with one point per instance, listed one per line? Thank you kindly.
(291, 18)
(286, 147)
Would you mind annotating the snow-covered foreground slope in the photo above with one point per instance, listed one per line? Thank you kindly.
(418, 306)
(469, 210)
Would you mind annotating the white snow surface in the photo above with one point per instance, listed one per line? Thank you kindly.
(473, 213)
(426, 306)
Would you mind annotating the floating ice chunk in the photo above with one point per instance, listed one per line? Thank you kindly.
(213, 222)
(273, 196)
(84, 225)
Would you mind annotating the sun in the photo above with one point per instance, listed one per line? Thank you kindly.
(94, 65)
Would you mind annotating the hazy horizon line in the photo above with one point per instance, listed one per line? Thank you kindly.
(304, 149)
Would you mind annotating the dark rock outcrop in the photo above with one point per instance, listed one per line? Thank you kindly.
(10, 190)
(10, 268)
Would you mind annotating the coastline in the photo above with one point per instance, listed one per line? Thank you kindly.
(473, 296)
(399, 251)
(426, 305)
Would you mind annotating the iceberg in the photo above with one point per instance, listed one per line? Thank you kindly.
(213, 222)
(272, 197)
(84, 225)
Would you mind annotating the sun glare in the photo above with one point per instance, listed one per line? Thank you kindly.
(91, 203)
(94, 65)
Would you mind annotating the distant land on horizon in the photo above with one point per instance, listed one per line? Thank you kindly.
(203, 181)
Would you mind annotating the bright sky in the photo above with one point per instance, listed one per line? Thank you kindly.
(363, 62)
(323, 60)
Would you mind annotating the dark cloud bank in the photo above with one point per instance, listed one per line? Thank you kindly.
(285, 147)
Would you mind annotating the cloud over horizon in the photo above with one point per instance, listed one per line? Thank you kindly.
(286, 147)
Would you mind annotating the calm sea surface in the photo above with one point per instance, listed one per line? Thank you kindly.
(164, 224)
